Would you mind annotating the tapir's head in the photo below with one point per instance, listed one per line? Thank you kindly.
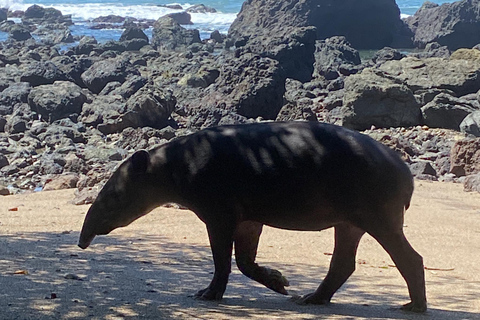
(126, 196)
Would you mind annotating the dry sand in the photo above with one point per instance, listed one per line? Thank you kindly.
(150, 269)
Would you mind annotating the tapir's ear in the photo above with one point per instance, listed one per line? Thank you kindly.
(139, 162)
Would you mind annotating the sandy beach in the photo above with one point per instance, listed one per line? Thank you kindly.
(150, 269)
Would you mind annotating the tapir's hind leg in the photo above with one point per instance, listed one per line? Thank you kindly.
(246, 240)
(410, 265)
(342, 264)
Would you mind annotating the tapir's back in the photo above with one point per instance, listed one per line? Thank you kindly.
(269, 168)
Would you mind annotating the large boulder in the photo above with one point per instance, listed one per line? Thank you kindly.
(252, 86)
(292, 47)
(104, 71)
(455, 25)
(57, 101)
(445, 111)
(373, 98)
(40, 73)
(40, 15)
(168, 34)
(368, 24)
(459, 76)
(148, 107)
(334, 57)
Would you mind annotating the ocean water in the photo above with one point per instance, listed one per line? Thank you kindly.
(83, 11)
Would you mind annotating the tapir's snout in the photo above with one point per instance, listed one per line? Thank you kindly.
(86, 237)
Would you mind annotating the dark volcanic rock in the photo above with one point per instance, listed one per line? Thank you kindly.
(3, 14)
(181, 17)
(455, 25)
(168, 34)
(102, 72)
(457, 75)
(446, 111)
(149, 106)
(292, 47)
(374, 98)
(19, 33)
(15, 93)
(57, 101)
(133, 32)
(40, 73)
(371, 24)
(251, 86)
(40, 15)
(334, 57)
(200, 8)
(471, 124)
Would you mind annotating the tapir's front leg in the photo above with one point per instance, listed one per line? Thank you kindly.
(220, 234)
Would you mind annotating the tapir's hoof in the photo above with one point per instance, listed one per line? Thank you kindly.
(311, 298)
(276, 281)
(209, 295)
(415, 307)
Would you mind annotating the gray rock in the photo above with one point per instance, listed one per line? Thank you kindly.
(471, 124)
(334, 55)
(168, 34)
(371, 24)
(102, 72)
(15, 93)
(40, 73)
(465, 157)
(181, 17)
(57, 101)
(455, 25)
(373, 98)
(459, 76)
(446, 111)
(387, 54)
(250, 86)
(133, 32)
(19, 33)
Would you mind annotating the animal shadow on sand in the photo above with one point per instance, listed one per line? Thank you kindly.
(46, 276)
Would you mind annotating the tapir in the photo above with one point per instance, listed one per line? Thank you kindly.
(305, 176)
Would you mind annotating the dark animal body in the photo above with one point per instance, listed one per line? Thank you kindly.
(295, 175)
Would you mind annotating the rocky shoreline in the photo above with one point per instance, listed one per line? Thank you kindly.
(67, 118)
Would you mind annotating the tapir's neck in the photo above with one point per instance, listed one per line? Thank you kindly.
(164, 175)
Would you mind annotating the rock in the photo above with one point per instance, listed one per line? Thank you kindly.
(250, 86)
(109, 19)
(128, 88)
(3, 14)
(200, 8)
(387, 54)
(73, 67)
(292, 47)
(465, 157)
(472, 183)
(333, 56)
(292, 112)
(133, 32)
(423, 170)
(19, 33)
(432, 50)
(149, 106)
(202, 79)
(168, 34)
(40, 73)
(63, 181)
(371, 24)
(181, 17)
(446, 111)
(85, 196)
(459, 76)
(3, 161)
(85, 45)
(471, 124)
(205, 117)
(57, 101)
(39, 15)
(15, 93)
(455, 25)
(104, 71)
(217, 36)
(374, 98)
